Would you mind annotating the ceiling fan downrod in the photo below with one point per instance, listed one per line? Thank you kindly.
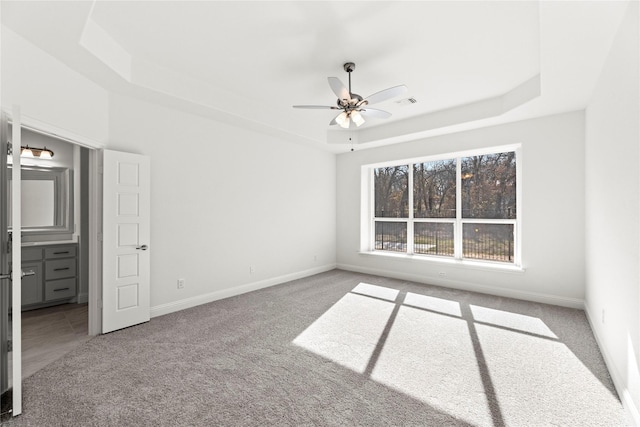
(355, 100)
(349, 67)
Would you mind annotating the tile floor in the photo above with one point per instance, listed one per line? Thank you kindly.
(50, 333)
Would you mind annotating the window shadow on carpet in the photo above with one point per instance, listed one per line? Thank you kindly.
(484, 360)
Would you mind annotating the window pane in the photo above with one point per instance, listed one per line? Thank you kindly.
(391, 236)
(489, 186)
(391, 192)
(433, 238)
(493, 242)
(434, 189)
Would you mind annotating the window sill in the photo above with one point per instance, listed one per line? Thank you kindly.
(465, 264)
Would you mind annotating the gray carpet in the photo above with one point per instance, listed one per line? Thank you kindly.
(337, 348)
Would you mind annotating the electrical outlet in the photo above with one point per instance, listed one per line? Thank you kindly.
(315, 257)
(180, 283)
(442, 273)
(252, 269)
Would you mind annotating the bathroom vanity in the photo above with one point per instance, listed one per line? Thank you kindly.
(54, 278)
(49, 250)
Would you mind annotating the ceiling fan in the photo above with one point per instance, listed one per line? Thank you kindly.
(354, 107)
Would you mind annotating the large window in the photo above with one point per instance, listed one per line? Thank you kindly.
(462, 207)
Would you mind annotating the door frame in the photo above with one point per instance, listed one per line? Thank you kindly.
(5, 263)
(95, 210)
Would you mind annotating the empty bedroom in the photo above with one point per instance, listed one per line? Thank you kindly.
(367, 213)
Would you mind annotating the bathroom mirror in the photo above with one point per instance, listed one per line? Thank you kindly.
(47, 200)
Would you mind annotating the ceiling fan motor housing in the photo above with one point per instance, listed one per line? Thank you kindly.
(349, 66)
(352, 103)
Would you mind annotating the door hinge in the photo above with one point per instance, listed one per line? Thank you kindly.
(99, 237)
(9, 345)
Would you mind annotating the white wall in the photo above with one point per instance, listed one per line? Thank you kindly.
(613, 211)
(240, 199)
(223, 199)
(552, 205)
(51, 92)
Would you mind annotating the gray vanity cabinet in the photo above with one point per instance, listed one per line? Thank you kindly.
(55, 269)
(32, 285)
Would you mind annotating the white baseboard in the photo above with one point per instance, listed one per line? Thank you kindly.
(620, 385)
(183, 304)
(83, 298)
(468, 286)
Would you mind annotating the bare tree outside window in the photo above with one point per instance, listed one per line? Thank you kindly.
(392, 192)
(434, 189)
(489, 186)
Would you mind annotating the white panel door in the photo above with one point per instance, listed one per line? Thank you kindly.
(10, 269)
(126, 240)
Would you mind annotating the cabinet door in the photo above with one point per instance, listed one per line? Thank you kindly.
(32, 285)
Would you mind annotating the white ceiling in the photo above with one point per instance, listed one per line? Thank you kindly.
(249, 62)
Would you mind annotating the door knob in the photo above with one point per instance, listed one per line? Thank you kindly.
(142, 248)
(24, 273)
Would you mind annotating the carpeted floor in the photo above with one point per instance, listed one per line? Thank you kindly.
(337, 348)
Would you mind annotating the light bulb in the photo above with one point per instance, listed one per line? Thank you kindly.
(345, 124)
(45, 154)
(26, 152)
(342, 117)
(357, 118)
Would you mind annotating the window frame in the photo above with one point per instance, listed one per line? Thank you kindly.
(369, 219)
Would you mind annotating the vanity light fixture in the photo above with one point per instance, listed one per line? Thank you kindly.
(43, 153)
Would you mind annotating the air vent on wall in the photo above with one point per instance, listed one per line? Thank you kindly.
(407, 101)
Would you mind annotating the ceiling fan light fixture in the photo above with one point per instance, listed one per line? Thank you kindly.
(357, 118)
(343, 119)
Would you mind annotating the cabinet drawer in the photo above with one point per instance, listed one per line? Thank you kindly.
(59, 289)
(60, 252)
(60, 269)
(31, 254)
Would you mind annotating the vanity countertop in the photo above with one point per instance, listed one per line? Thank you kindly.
(52, 242)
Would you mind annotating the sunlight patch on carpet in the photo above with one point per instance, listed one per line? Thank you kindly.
(376, 291)
(532, 374)
(430, 357)
(348, 332)
(506, 319)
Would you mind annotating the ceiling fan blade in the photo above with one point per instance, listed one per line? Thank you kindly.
(338, 88)
(316, 107)
(373, 112)
(383, 95)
